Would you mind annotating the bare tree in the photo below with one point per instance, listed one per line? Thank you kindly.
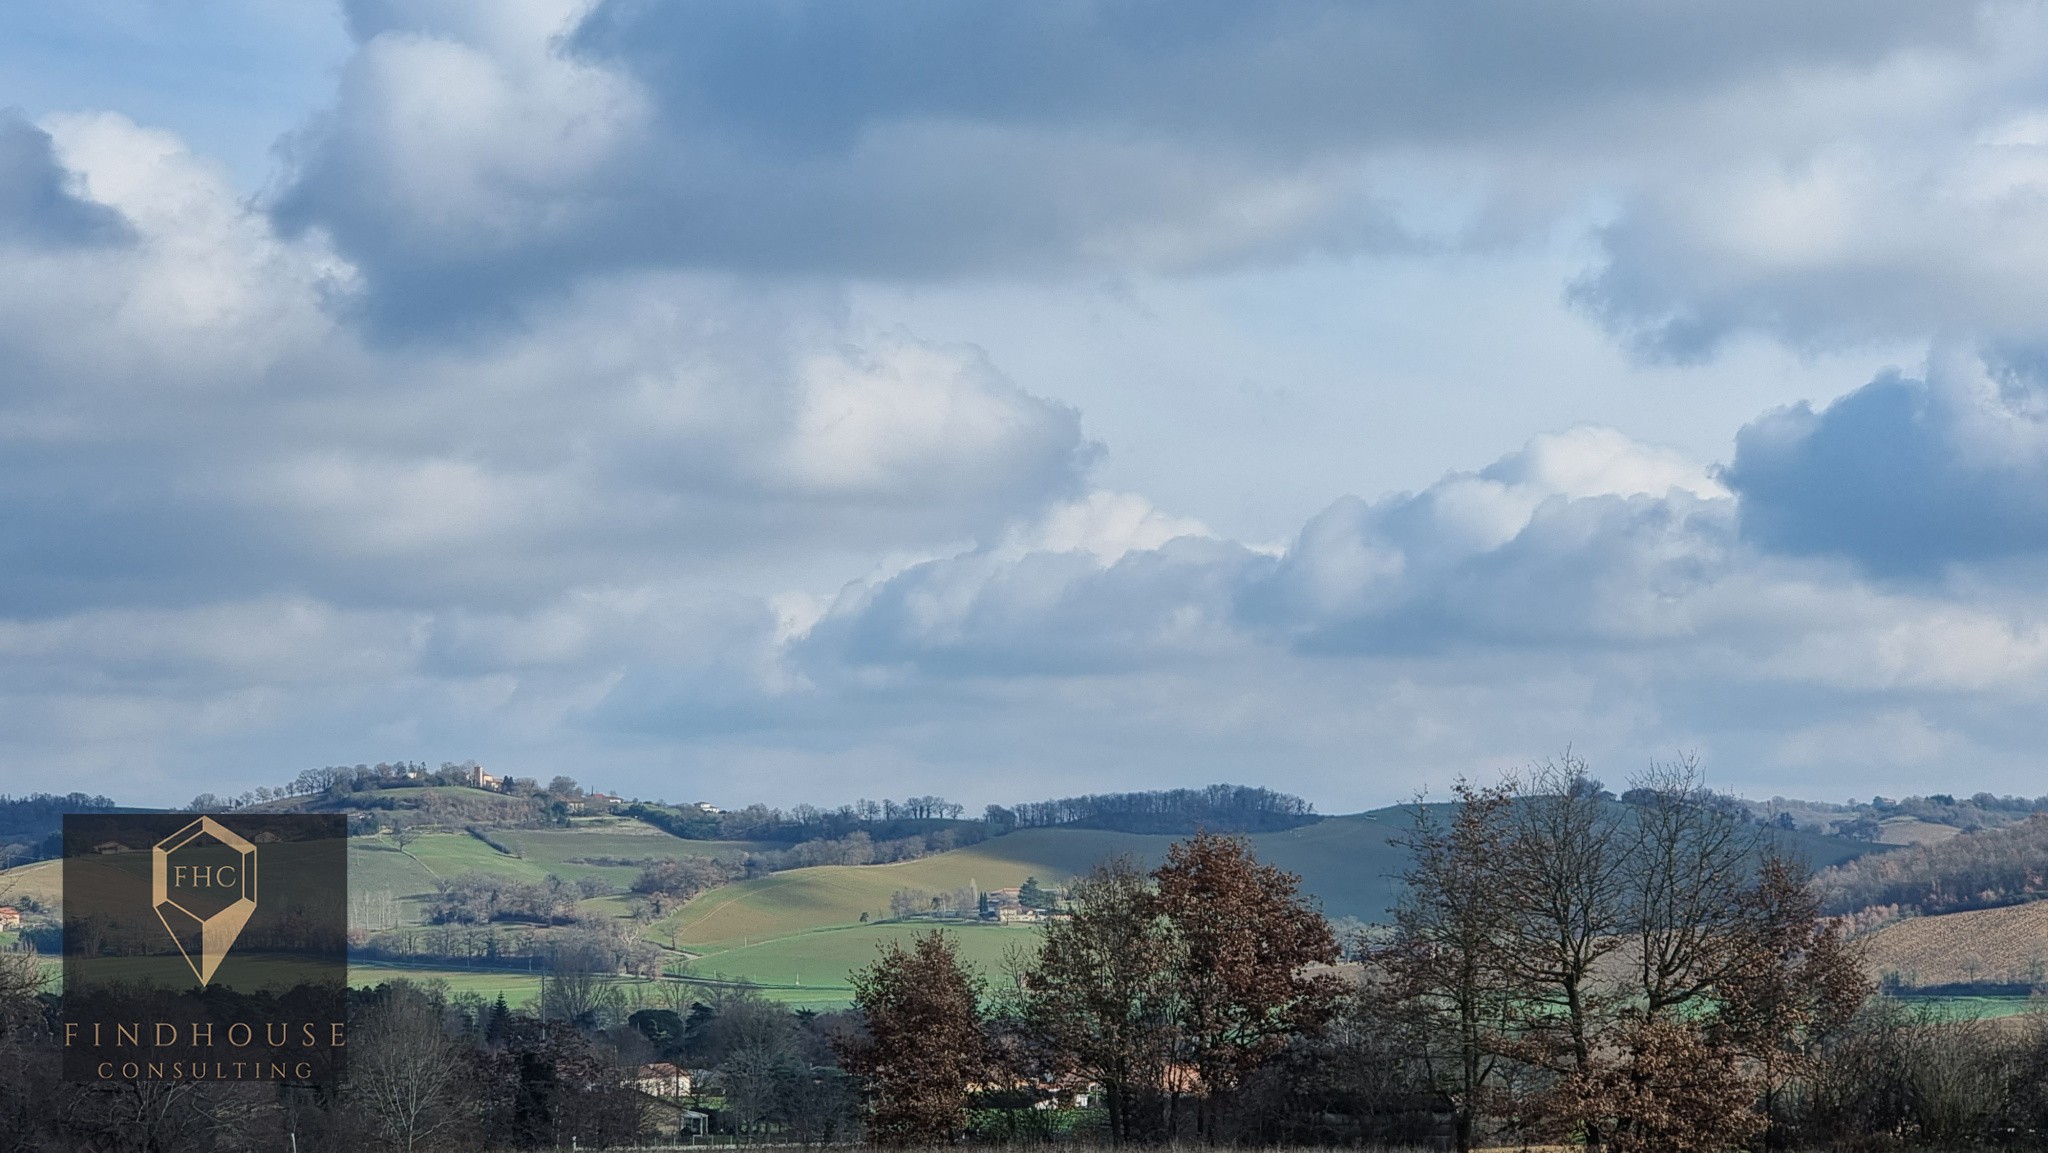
(1450, 928)
(1691, 859)
(670, 994)
(578, 987)
(1563, 886)
(159, 1116)
(403, 1069)
(21, 978)
(1100, 993)
(404, 833)
(1795, 983)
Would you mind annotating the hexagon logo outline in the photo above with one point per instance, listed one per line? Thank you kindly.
(218, 931)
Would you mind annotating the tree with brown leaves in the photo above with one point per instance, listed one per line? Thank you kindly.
(1248, 940)
(1660, 1085)
(1795, 982)
(924, 1047)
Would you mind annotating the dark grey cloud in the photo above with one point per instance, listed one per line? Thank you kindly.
(1905, 476)
(38, 209)
(471, 160)
(1285, 79)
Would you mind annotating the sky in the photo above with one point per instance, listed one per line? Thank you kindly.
(806, 401)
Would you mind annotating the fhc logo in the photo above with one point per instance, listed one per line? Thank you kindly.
(204, 880)
(205, 947)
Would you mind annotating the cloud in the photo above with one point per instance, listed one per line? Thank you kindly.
(1103, 583)
(37, 207)
(1582, 534)
(1582, 539)
(1905, 476)
(1584, 589)
(1901, 738)
(527, 416)
(479, 154)
(1858, 206)
(312, 539)
(229, 431)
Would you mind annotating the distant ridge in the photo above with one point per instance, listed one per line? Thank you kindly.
(1217, 808)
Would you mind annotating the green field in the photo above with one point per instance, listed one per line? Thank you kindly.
(519, 989)
(802, 900)
(1972, 1008)
(802, 927)
(522, 990)
(377, 865)
(823, 957)
(564, 852)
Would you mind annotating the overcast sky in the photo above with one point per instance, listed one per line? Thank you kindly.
(807, 400)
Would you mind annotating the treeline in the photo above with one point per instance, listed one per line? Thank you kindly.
(449, 810)
(31, 827)
(932, 821)
(363, 789)
(673, 880)
(938, 823)
(1979, 811)
(1864, 820)
(478, 898)
(1217, 808)
(605, 944)
(1973, 871)
(337, 781)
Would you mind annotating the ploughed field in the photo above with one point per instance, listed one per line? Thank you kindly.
(2005, 946)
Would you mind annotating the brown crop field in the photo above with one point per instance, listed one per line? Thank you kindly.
(2004, 945)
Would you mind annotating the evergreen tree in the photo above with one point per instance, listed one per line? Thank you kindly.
(1031, 895)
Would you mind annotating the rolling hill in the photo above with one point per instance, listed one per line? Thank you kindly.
(804, 900)
(801, 930)
(1347, 863)
(802, 922)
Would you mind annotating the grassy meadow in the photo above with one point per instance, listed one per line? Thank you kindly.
(822, 957)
